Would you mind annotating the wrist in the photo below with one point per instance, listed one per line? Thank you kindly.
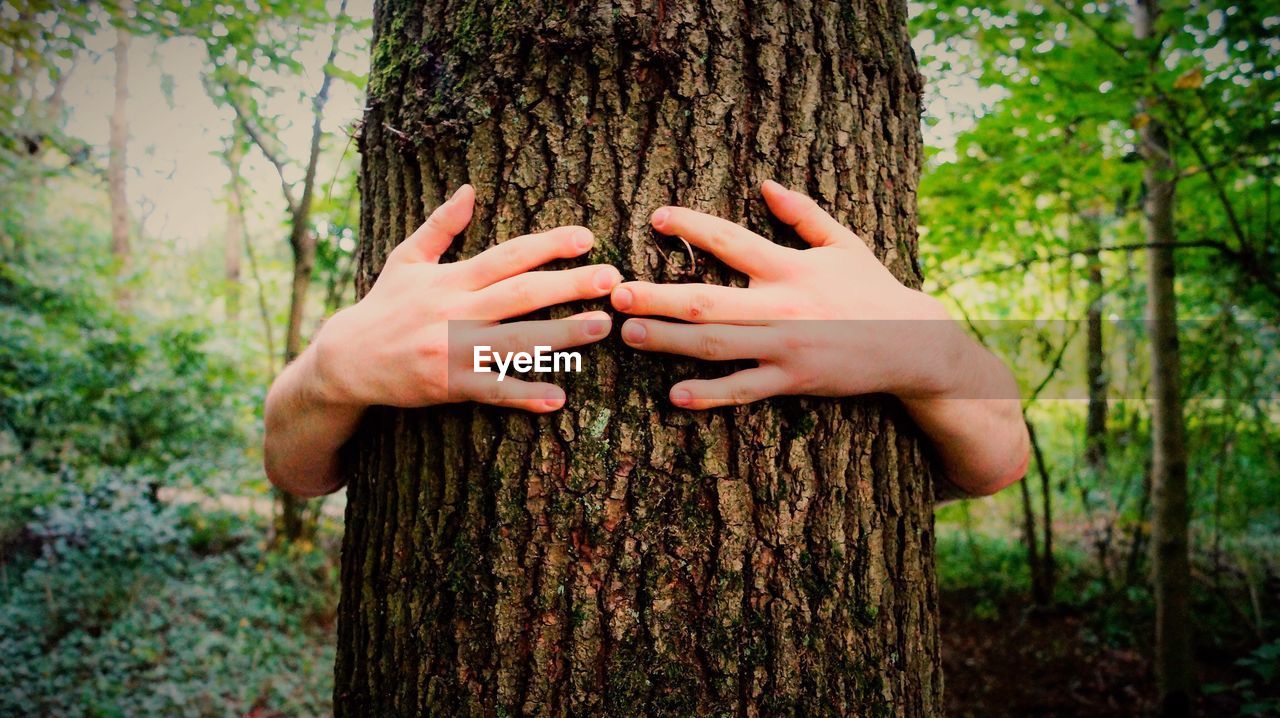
(320, 377)
(940, 351)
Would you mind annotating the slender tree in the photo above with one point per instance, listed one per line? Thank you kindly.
(234, 238)
(236, 190)
(1095, 432)
(292, 521)
(1171, 514)
(117, 161)
(1098, 382)
(621, 557)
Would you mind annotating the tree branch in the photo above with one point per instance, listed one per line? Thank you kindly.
(303, 208)
(1094, 251)
(1079, 17)
(1230, 159)
(1180, 126)
(259, 138)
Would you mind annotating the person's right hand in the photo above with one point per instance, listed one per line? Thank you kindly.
(392, 347)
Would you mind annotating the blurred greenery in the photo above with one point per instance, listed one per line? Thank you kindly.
(131, 607)
(141, 575)
(113, 602)
(1032, 210)
(128, 585)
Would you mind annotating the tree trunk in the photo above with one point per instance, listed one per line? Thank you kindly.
(621, 557)
(1031, 539)
(1171, 514)
(1095, 428)
(234, 241)
(118, 142)
(293, 522)
(304, 262)
(1044, 569)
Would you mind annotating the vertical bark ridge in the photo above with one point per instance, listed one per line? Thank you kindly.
(619, 557)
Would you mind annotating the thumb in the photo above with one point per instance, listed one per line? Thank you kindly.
(435, 235)
(809, 220)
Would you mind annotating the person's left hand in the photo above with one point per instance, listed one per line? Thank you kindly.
(864, 338)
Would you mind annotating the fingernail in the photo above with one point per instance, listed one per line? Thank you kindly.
(597, 327)
(623, 298)
(605, 279)
(659, 217)
(554, 397)
(583, 240)
(633, 332)
(681, 397)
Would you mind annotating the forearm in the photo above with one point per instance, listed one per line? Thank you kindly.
(975, 423)
(305, 428)
(887, 338)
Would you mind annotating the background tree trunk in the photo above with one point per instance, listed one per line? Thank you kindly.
(1043, 564)
(118, 143)
(1171, 514)
(621, 557)
(1095, 428)
(293, 522)
(302, 241)
(234, 241)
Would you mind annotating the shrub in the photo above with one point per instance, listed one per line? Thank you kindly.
(130, 608)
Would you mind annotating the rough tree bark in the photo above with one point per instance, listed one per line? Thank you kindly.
(621, 557)
(1171, 513)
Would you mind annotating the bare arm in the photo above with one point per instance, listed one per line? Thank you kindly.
(830, 320)
(976, 426)
(392, 348)
(305, 428)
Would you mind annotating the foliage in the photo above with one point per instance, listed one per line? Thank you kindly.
(1264, 668)
(983, 572)
(1043, 184)
(39, 41)
(113, 599)
(83, 385)
(134, 608)
(111, 602)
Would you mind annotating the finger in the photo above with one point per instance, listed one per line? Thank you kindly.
(712, 342)
(531, 291)
(735, 245)
(693, 302)
(435, 235)
(554, 334)
(804, 215)
(520, 254)
(536, 396)
(736, 389)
